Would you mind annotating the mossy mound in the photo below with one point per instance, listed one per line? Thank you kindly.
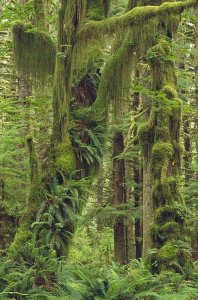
(65, 161)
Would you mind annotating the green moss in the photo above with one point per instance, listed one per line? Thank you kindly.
(161, 151)
(87, 116)
(161, 65)
(163, 141)
(115, 80)
(65, 162)
(168, 253)
(34, 51)
(170, 189)
(169, 92)
(145, 131)
(159, 52)
(21, 246)
(158, 198)
(136, 16)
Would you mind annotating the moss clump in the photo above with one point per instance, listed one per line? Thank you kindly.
(65, 162)
(87, 116)
(161, 151)
(158, 53)
(168, 253)
(21, 246)
(165, 191)
(34, 51)
(169, 92)
(170, 189)
(162, 67)
(146, 130)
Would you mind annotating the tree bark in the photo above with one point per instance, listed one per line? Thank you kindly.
(100, 191)
(148, 210)
(130, 222)
(120, 253)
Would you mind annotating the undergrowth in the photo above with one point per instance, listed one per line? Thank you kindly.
(46, 278)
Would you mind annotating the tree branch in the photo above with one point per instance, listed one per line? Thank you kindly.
(136, 16)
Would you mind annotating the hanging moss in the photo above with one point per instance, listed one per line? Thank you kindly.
(115, 79)
(136, 16)
(34, 51)
(161, 151)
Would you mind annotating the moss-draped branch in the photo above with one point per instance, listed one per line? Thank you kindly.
(135, 16)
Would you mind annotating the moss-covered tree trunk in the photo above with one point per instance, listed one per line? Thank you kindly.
(138, 178)
(161, 135)
(60, 193)
(187, 149)
(196, 81)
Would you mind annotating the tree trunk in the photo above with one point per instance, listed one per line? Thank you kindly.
(130, 221)
(194, 243)
(188, 150)
(148, 210)
(100, 191)
(120, 253)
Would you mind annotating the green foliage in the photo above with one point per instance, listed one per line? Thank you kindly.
(13, 162)
(13, 11)
(83, 282)
(65, 162)
(88, 142)
(89, 272)
(57, 217)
